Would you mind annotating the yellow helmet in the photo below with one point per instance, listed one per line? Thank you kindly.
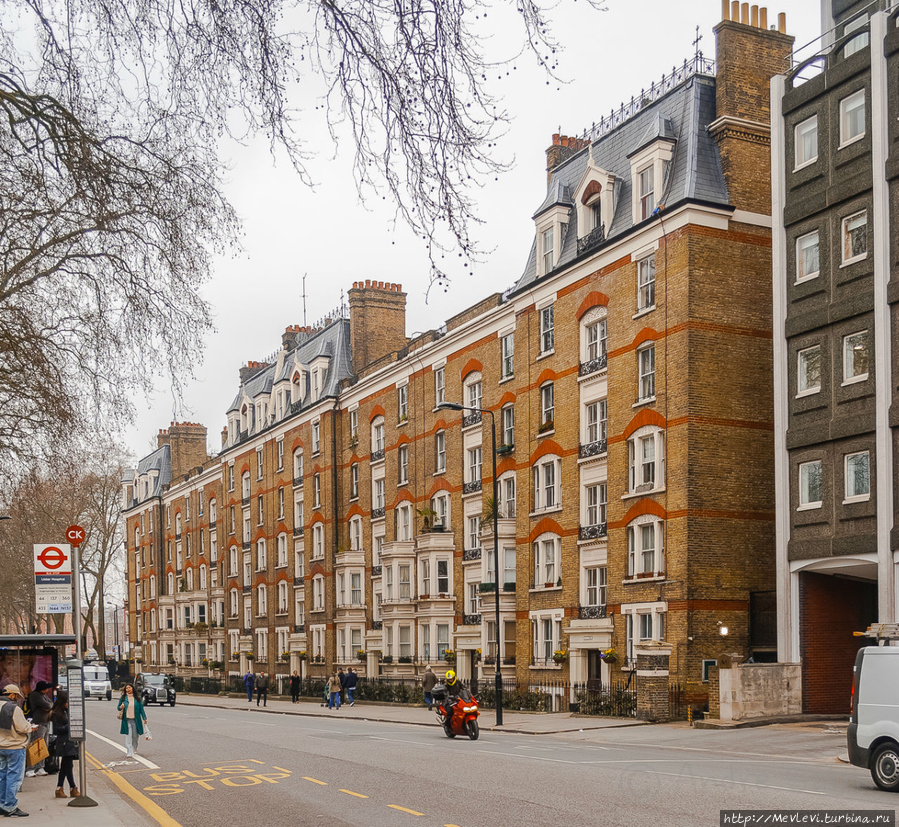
(450, 676)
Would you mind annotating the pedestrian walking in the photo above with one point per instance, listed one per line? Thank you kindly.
(40, 702)
(428, 682)
(350, 685)
(131, 711)
(342, 675)
(14, 733)
(334, 692)
(294, 687)
(64, 747)
(249, 681)
(262, 689)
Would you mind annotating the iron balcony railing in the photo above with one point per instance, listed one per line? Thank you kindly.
(376, 571)
(471, 487)
(377, 624)
(297, 481)
(591, 612)
(472, 418)
(377, 456)
(592, 449)
(593, 365)
(471, 620)
(471, 554)
(592, 532)
(377, 513)
(298, 531)
(592, 239)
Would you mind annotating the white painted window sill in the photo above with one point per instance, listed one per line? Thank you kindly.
(854, 380)
(862, 498)
(809, 506)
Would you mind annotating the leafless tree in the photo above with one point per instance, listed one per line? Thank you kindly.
(111, 203)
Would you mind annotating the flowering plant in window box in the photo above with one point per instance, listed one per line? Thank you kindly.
(545, 426)
(449, 656)
(509, 661)
(285, 656)
(502, 450)
(318, 659)
(360, 655)
(387, 659)
(405, 659)
(610, 656)
(235, 655)
(302, 655)
(251, 656)
(560, 656)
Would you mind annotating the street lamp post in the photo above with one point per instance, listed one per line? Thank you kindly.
(498, 678)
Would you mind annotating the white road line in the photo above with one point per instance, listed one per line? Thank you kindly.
(137, 757)
(728, 781)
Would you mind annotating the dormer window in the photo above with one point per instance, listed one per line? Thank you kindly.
(650, 165)
(646, 186)
(296, 387)
(551, 227)
(548, 250)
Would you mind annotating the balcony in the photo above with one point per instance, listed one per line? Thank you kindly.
(299, 580)
(592, 449)
(593, 365)
(471, 487)
(211, 525)
(247, 546)
(593, 239)
(298, 531)
(470, 419)
(591, 612)
(376, 571)
(299, 628)
(377, 456)
(245, 500)
(377, 624)
(297, 482)
(471, 554)
(378, 513)
(245, 589)
(592, 532)
(471, 620)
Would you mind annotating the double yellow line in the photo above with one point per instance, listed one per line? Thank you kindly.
(152, 808)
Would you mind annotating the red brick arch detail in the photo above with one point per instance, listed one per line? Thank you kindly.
(282, 578)
(547, 524)
(404, 438)
(506, 398)
(243, 469)
(260, 535)
(439, 425)
(403, 496)
(440, 485)
(355, 459)
(376, 411)
(316, 519)
(547, 446)
(645, 417)
(642, 507)
(297, 443)
(645, 335)
(470, 366)
(316, 469)
(591, 300)
(356, 510)
(547, 376)
(590, 190)
(508, 464)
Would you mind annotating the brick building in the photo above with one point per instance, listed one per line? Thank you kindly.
(835, 121)
(629, 374)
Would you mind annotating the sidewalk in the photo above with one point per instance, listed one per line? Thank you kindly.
(523, 723)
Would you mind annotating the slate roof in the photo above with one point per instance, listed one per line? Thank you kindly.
(160, 460)
(684, 115)
(333, 341)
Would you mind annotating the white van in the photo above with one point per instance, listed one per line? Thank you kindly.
(873, 735)
(96, 681)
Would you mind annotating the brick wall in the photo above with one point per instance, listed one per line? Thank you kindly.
(830, 610)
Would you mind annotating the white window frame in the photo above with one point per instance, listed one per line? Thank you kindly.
(849, 358)
(850, 494)
(803, 245)
(638, 551)
(646, 373)
(848, 257)
(805, 471)
(803, 363)
(440, 452)
(637, 456)
(402, 403)
(547, 550)
(803, 128)
(439, 385)
(849, 106)
(547, 475)
(646, 284)
(547, 403)
(507, 351)
(507, 424)
(402, 464)
(547, 329)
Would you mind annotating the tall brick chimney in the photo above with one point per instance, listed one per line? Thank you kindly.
(749, 54)
(562, 148)
(377, 321)
(187, 445)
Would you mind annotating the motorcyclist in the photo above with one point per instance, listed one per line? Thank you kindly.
(455, 691)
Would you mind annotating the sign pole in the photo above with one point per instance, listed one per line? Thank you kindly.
(75, 536)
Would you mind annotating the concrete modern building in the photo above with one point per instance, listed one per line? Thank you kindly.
(346, 518)
(834, 124)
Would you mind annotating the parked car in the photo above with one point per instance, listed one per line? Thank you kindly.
(96, 682)
(155, 687)
(873, 734)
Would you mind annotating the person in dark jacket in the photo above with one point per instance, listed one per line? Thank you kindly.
(64, 748)
(342, 675)
(40, 702)
(294, 687)
(262, 689)
(349, 684)
(428, 682)
(249, 681)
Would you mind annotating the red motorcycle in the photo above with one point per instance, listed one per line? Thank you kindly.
(461, 718)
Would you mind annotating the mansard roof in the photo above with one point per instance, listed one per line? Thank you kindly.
(682, 116)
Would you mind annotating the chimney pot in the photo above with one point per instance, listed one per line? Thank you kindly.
(754, 16)
(763, 18)
(556, 139)
(735, 11)
(744, 13)
(725, 9)
(782, 23)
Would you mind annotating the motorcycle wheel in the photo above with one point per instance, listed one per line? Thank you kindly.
(473, 730)
(449, 731)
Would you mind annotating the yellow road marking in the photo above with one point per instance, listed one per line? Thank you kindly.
(450, 825)
(152, 808)
(93, 761)
(404, 810)
(257, 761)
(315, 781)
(279, 769)
(350, 792)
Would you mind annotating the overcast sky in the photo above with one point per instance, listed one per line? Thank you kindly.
(327, 234)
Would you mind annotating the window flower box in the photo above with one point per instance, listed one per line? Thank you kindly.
(560, 656)
(549, 425)
(449, 656)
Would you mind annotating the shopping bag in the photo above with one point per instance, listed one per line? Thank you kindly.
(37, 751)
(147, 734)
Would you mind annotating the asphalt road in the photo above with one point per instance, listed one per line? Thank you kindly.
(214, 766)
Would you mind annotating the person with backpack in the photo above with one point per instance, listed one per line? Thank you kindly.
(350, 685)
(249, 681)
(63, 747)
(14, 733)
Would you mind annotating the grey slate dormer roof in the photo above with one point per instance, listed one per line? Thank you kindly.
(333, 342)
(159, 460)
(683, 115)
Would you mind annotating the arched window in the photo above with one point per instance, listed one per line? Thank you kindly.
(646, 459)
(190, 580)
(298, 465)
(245, 485)
(547, 483)
(232, 603)
(170, 583)
(646, 546)
(377, 438)
(547, 560)
(213, 513)
(203, 577)
(594, 341)
(261, 600)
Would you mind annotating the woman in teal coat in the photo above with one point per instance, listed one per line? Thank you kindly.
(131, 711)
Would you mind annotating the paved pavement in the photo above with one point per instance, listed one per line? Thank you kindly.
(37, 798)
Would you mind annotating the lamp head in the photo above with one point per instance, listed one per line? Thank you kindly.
(723, 629)
(450, 406)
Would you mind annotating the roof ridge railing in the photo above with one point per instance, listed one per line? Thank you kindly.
(697, 65)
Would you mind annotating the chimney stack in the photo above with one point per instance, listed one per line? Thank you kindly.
(187, 446)
(377, 321)
(562, 148)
